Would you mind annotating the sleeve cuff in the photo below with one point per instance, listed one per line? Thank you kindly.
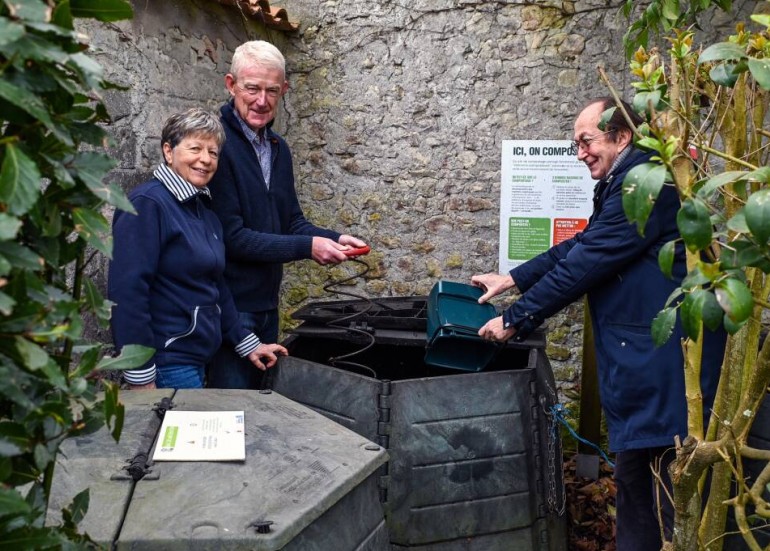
(248, 345)
(140, 376)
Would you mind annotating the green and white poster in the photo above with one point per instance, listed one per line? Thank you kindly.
(545, 198)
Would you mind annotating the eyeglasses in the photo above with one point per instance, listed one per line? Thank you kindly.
(586, 141)
(253, 90)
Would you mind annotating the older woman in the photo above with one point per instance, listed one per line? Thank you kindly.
(168, 260)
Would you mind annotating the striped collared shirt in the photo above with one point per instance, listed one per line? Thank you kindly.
(178, 186)
(261, 145)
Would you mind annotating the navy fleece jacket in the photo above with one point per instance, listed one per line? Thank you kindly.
(166, 279)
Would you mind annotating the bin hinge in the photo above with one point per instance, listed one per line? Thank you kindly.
(382, 485)
(383, 436)
(163, 406)
(136, 469)
(383, 414)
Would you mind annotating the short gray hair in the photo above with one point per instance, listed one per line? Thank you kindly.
(259, 53)
(193, 122)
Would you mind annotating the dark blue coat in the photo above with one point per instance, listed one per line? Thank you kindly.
(264, 227)
(641, 386)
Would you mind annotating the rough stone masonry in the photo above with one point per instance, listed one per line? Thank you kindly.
(396, 116)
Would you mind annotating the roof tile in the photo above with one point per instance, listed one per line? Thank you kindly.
(275, 18)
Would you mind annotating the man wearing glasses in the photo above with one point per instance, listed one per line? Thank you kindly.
(641, 386)
(253, 194)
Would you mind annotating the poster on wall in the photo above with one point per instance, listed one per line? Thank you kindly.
(545, 197)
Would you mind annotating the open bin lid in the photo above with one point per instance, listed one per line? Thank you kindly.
(454, 319)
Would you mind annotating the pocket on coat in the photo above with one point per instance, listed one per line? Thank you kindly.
(631, 367)
(204, 323)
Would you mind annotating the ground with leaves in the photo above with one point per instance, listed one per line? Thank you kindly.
(590, 509)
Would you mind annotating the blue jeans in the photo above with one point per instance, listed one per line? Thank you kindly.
(228, 370)
(179, 376)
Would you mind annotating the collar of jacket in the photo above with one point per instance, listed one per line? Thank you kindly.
(629, 157)
(229, 118)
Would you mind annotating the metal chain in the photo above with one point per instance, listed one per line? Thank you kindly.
(554, 506)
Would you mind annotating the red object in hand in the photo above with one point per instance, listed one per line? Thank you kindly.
(358, 252)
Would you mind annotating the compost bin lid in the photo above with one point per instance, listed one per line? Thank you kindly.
(298, 465)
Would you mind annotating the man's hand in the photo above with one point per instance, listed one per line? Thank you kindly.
(325, 251)
(492, 284)
(267, 353)
(493, 330)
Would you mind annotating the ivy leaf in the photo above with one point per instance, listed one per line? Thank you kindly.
(735, 299)
(101, 10)
(91, 169)
(91, 226)
(19, 181)
(690, 312)
(757, 214)
(694, 224)
(722, 51)
(32, 11)
(131, 356)
(663, 326)
(13, 439)
(12, 503)
(76, 511)
(95, 301)
(737, 223)
(605, 118)
(644, 101)
(741, 253)
(19, 256)
(671, 10)
(9, 226)
(29, 103)
(641, 187)
(711, 312)
(718, 181)
(760, 70)
(732, 327)
(33, 356)
(6, 304)
(88, 359)
(725, 74)
(762, 19)
(113, 409)
(666, 258)
(9, 31)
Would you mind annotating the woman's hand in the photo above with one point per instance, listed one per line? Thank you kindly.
(148, 386)
(267, 353)
(492, 284)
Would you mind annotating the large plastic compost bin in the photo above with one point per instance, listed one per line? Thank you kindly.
(307, 484)
(474, 462)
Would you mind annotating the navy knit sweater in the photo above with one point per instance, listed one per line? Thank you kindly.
(264, 227)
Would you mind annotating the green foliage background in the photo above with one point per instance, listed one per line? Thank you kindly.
(52, 190)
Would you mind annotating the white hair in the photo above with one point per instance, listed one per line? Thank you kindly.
(257, 52)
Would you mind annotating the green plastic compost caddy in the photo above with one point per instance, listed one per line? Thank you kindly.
(475, 461)
(306, 484)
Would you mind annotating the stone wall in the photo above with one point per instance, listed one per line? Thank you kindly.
(396, 116)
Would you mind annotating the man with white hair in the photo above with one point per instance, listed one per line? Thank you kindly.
(255, 198)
